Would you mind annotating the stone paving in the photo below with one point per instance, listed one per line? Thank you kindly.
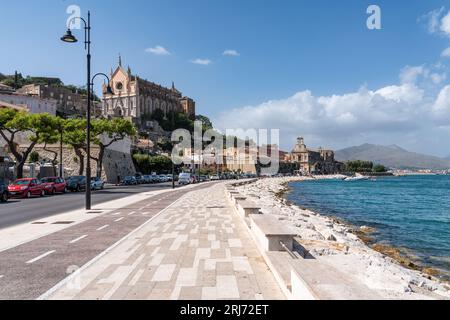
(197, 249)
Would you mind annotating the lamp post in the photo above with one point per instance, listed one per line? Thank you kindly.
(173, 164)
(69, 38)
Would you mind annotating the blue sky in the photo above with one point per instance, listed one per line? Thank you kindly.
(285, 47)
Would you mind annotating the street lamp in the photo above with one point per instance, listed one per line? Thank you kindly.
(70, 38)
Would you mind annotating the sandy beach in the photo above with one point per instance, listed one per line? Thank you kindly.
(339, 245)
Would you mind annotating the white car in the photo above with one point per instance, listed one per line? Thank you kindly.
(184, 179)
(215, 177)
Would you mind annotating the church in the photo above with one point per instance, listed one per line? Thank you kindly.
(137, 99)
(309, 161)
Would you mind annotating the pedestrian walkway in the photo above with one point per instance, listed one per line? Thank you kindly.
(197, 249)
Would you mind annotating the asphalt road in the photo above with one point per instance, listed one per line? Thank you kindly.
(31, 269)
(17, 211)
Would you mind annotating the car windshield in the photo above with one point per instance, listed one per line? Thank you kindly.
(22, 182)
(48, 180)
(75, 178)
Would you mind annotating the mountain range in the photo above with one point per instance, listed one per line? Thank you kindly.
(392, 156)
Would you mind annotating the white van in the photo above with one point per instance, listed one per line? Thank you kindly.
(184, 178)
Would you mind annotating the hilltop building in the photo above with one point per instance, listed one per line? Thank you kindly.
(137, 99)
(68, 103)
(32, 104)
(310, 161)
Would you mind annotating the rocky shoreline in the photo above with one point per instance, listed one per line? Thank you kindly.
(381, 268)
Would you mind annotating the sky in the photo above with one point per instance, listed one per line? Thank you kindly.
(308, 68)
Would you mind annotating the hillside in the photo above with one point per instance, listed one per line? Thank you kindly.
(392, 156)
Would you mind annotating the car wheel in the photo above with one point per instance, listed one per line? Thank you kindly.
(64, 190)
(78, 188)
(53, 191)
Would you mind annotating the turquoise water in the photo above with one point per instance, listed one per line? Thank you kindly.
(411, 213)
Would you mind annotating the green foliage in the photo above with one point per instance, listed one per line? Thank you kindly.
(34, 157)
(379, 168)
(148, 164)
(359, 166)
(177, 120)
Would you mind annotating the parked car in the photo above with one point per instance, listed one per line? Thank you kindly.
(147, 179)
(139, 178)
(4, 195)
(204, 178)
(76, 183)
(169, 177)
(26, 188)
(97, 184)
(54, 185)
(129, 181)
(215, 177)
(184, 178)
(163, 178)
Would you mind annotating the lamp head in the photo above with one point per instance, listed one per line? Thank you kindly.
(109, 90)
(69, 37)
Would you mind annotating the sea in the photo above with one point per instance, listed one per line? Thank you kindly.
(411, 213)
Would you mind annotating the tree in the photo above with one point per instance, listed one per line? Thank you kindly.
(13, 122)
(51, 136)
(75, 136)
(358, 166)
(107, 132)
(379, 168)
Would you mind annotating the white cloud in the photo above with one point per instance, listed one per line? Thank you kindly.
(410, 74)
(232, 53)
(445, 24)
(432, 19)
(203, 62)
(392, 114)
(441, 107)
(158, 50)
(446, 53)
(438, 21)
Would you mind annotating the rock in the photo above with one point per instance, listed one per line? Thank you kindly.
(311, 226)
(331, 238)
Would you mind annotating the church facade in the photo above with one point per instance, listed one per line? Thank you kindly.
(137, 99)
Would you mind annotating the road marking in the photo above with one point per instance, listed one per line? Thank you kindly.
(1, 276)
(78, 239)
(40, 257)
(104, 227)
(145, 213)
(132, 212)
(120, 219)
(116, 214)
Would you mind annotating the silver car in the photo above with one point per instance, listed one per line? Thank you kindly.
(97, 184)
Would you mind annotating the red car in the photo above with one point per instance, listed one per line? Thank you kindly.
(26, 188)
(54, 185)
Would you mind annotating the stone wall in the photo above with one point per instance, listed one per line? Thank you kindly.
(117, 160)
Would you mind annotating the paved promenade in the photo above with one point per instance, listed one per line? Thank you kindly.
(198, 248)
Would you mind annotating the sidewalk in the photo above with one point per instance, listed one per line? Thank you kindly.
(197, 249)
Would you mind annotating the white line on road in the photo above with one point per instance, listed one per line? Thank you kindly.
(120, 219)
(131, 213)
(40, 257)
(104, 227)
(78, 239)
(1, 276)
(116, 214)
